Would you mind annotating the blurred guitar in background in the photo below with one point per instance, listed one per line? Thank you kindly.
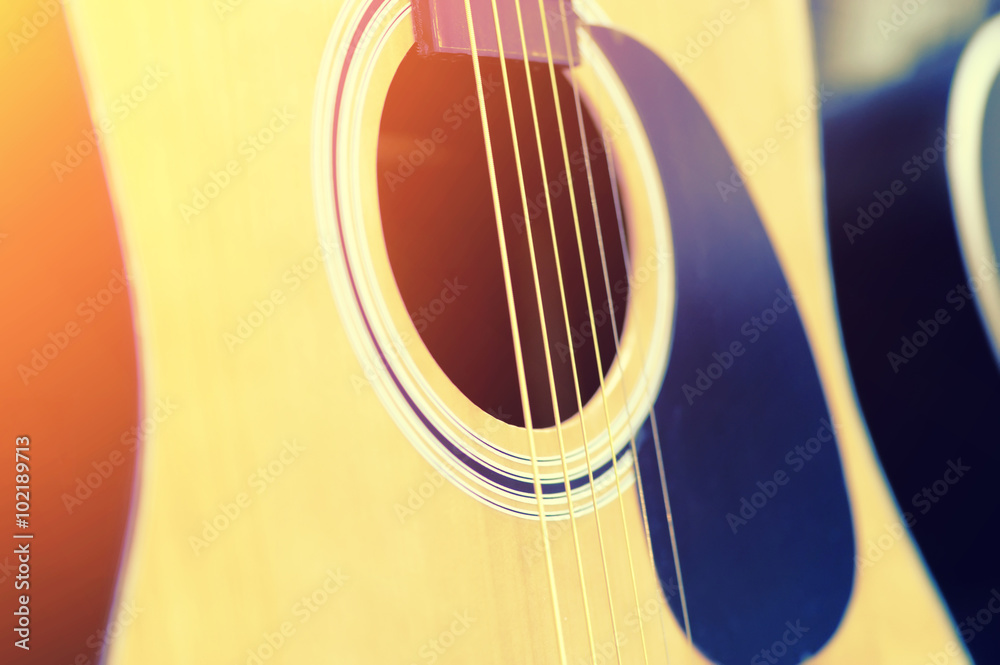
(910, 159)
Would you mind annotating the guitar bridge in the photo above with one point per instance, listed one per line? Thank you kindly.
(441, 26)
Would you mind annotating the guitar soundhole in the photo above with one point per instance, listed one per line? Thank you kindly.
(440, 231)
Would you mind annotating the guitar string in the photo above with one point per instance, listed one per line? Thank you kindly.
(590, 313)
(585, 146)
(617, 336)
(565, 311)
(544, 330)
(515, 334)
(652, 416)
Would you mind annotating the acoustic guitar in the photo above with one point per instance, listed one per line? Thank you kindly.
(498, 332)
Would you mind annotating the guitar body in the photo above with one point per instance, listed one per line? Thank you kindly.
(303, 505)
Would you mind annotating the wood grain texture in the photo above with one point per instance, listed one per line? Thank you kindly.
(332, 507)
